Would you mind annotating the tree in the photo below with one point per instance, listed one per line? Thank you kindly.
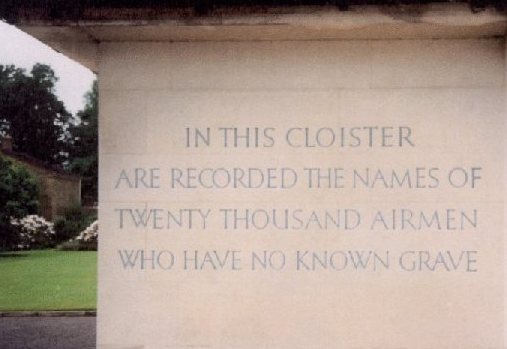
(83, 158)
(18, 198)
(31, 113)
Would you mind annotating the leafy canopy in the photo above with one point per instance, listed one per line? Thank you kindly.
(31, 113)
(83, 159)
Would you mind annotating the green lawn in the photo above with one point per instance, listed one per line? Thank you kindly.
(48, 280)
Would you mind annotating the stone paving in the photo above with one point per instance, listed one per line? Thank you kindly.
(47, 332)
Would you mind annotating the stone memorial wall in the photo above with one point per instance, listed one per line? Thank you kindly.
(302, 194)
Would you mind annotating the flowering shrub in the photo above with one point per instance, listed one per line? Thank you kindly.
(34, 232)
(90, 234)
(86, 240)
(73, 222)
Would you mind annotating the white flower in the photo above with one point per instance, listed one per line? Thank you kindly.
(34, 231)
(90, 234)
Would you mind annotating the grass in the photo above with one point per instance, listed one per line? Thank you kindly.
(48, 280)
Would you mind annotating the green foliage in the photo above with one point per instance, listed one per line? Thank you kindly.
(18, 198)
(83, 159)
(31, 113)
(18, 190)
(74, 221)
